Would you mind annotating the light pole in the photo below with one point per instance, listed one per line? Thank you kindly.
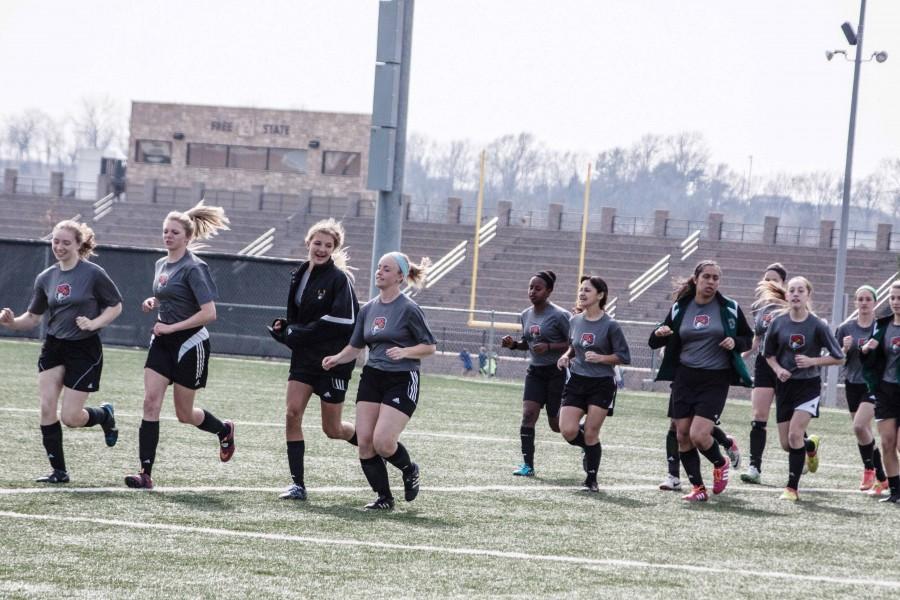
(838, 310)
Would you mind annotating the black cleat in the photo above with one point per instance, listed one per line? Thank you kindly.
(893, 498)
(141, 481)
(295, 492)
(411, 483)
(590, 486)
(381, 503)
(226, 443)
(110, 432)
(56, 476)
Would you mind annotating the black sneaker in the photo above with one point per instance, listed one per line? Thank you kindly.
(590, 486)
(140, 481)
(411, 483)
(295, 492)
(381, 503)
(893, 498)
(110, 432)
(56, 476)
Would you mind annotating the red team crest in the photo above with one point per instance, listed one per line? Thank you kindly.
(701, 321)
(587, 339)
(766, 320)
(895, 345)
(62, 291)
(378, 324)
(163, 279)
(535, 330)
(798, 340)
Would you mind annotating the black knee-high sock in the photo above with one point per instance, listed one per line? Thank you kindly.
(714, 455)
(894, 482)
(721, 437)
(295, 451)
(148, 440)
(673, 458)
(52, 437)
(879, 467)
(691, 462)
(578, 440)
(866, 452)
(96, 416)
(796, 458)
(352, 441)
(376, 474)
(757, 443)
(212, 424)
(526, 434)
(400, 458)
(593, 454)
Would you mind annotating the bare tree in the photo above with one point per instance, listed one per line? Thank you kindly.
(688, 153)
(513, 160)
(98, 123)
(889, 172)
(866, 194)
(455, 162)
(21, 132)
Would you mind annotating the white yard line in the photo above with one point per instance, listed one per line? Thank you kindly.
(449, 550)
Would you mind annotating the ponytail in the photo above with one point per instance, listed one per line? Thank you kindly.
(201, 222)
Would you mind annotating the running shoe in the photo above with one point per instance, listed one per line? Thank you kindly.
(720, 477)
(295, 492)
(110, 432)
(879, 488)
(226, 444)
(381, 503)
(698, 494)
(868, 480)
(411, 483)
(812, 458)
(752, 475)
(141, 481)
(524, 471)
(670, 484)
(790, 494)
(590, 486)
(57, 476)
(734, 453)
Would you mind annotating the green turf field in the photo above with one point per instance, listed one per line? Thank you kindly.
(219, 531)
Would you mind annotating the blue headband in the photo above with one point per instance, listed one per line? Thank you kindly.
(402, 263)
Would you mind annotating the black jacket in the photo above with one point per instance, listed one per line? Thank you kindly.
(321, 326)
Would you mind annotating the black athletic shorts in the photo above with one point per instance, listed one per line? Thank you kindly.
(857, 393)
(582, 392)
(763, 375)
(887, 401)
(544, 385)
(82, 361)
(325, 384)
(398, 389)
(182, 357)
(797, 394)
(700, 392)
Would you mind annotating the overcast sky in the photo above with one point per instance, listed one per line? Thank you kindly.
(582, 75)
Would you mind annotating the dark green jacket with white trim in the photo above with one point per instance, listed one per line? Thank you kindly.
(736, 327)
(874, 362)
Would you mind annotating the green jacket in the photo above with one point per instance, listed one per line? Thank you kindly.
(874, 362)
(736, 327)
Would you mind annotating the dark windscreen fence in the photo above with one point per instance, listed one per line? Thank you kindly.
(252, 292)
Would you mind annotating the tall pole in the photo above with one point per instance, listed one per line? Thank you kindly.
(479, 204)
(838, 309)
(584, 227)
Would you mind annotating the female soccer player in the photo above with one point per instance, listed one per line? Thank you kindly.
(545, 335)
(852, 335)
(184, 293)
(770, 297)
(596, 345)
(79, 300)
(793, 348)
(881, 363)
(704, 334)
(397, 335)
(321, 313)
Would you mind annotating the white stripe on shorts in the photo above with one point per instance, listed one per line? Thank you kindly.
(89, 369)
(412, 390)
(194, 340)
(811, 407)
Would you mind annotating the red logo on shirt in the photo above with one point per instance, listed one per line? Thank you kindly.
(798, 340)
(378, 324)
(862, 341)
(62, 291)
(766, 320)
(895, 345)
(163, 279)
(535, 330)
(587, 339)
(701, 321)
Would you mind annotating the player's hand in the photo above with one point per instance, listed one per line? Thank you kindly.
(85, 324)
(663, 331)
(149, 304)
(869, 346)
(507, 342)
(6, 316)
(563, 362)
(783, 374)
(329, 362)
(847, 342)
(396, 353)
(160, 328)
(727, 344)
(540, 348)
(593, 357)
(803, 361)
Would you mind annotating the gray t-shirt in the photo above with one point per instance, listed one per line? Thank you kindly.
(787, 338)
(852, 371)
(82, 291)
(891, 352)
(761, 323)
(603, 336)
(701, 333)
(381, 326)
(182, 287)
(549, 327)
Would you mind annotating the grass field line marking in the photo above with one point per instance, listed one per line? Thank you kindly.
(438, 489)
(500, 554)
(452, 436)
